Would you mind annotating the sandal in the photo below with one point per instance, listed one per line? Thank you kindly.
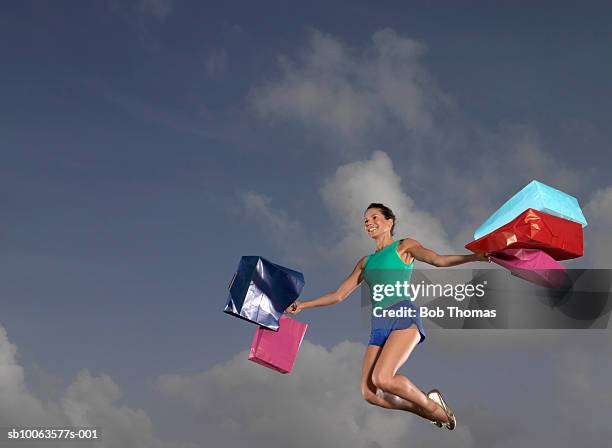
(437, 397)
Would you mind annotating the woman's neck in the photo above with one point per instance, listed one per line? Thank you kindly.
(383, 242)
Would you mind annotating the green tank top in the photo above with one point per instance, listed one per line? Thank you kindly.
(386, 267)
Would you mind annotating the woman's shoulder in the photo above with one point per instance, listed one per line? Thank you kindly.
(362, 261)
(406, 243)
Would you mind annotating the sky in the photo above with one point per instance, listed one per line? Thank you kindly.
(148, 144)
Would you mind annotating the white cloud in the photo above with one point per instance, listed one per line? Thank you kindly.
(89, 401)
(598, 239)
(318, 405)
(17, 404)
(346, 195)
(381, 94)
(356, 185)
(512, 402)
(350, 91)
(584, 373)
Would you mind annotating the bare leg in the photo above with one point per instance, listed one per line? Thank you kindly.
(377, 396)
(393, 355)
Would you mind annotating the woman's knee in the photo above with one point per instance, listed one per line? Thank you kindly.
(368, 394)
(370, 397)
(383, 381)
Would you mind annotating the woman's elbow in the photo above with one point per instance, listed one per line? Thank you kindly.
(337, 297)
(439, 262)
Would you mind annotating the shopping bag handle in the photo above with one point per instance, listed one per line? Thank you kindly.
(287, 315)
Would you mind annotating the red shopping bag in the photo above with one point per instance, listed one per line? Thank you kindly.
(277, 349)
(558, 237)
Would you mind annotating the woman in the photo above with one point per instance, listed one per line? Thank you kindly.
(392, 339)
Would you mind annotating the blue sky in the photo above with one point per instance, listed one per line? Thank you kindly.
(147, 145)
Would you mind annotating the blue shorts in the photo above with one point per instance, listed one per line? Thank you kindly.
(382, 327)
(380, 336)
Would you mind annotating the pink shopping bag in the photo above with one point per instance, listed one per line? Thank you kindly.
(533, 265)
(277, 349)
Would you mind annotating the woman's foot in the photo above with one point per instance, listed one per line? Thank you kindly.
(437, 397)
(434, 422)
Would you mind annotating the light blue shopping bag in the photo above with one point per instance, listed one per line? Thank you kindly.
(537, 196)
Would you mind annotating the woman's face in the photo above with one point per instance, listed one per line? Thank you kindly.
(375, 223)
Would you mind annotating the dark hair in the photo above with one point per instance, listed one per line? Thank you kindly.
(386, 211)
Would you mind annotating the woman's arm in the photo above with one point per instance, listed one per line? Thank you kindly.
(331, 298)
(425, 255)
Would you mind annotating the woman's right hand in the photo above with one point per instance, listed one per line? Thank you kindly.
(295, 307)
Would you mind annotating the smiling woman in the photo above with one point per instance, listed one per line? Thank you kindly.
(396, 331)
(375, 220)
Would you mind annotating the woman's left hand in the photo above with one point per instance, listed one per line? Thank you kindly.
(483, 256)
(294, 308)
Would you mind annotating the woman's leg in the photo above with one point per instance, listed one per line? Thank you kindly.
(371, 393)
(393, 355)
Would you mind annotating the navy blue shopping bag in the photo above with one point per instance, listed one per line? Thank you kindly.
(261, 290)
